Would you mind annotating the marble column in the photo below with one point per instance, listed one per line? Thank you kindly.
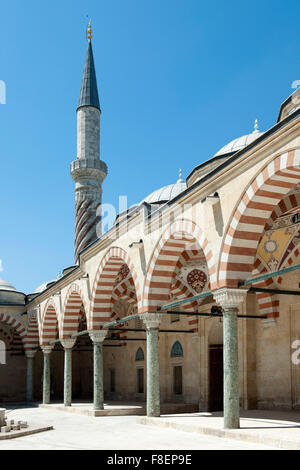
(46, 374)
(68, 345)
(29, 374)
(152, 321)
(98, 337)
(229, 300)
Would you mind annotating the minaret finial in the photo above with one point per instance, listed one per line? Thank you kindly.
(90, 31)
(180, 177)
(256, 129)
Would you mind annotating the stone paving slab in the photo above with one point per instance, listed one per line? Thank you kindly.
(278, 429)
(120, 408)
(115, 433)
(31, 429)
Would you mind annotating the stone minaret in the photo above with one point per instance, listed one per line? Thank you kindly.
(88, 171)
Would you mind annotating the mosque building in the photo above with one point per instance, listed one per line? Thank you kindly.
(191, 297)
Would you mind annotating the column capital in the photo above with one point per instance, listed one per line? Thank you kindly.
(30, 353)
(68, 343)
(47, 349)
(152, 320)
(98, 336)
(229, 298)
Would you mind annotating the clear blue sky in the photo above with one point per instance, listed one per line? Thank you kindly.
(177, 80)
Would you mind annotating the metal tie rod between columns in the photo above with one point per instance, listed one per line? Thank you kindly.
(274, 291)
(205, 314)
(269, 275)
(183, 301)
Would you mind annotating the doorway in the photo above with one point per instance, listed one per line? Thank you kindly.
(140, 380)
(177, 380)
(216, 377)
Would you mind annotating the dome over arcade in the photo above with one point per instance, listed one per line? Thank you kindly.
(9, 294)
(241, 142)
(166, 193)
(4, 285)
(47, 284)
(44, 286)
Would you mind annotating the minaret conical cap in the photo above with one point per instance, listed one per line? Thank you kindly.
(89, 90)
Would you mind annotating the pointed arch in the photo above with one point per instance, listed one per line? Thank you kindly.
(139, 356)
(259, 200)
(31, 339)
(177, 350)
(16, 323)
(165, 258)
(104, 285)
(50, 328)
(72, 311)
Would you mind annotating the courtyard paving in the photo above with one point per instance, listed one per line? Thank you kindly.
(80, 432)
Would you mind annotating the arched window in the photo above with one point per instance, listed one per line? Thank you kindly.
(176, 350)
(139, 355)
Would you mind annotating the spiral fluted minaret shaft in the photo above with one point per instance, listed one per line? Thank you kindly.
(88, 171)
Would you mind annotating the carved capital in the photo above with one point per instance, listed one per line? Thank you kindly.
(47, 349)
(68, 343)
(152, 320)
(30, 353)
(229, 298)
(98, 336)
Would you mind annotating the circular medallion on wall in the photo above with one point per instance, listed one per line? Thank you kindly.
(197, 279)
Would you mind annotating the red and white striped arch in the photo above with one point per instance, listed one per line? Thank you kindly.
(165, 258)
(248, 222)
(12, 321)
(108, 270)
(268, 303)
(49, 328)
(31, 339)
(72, 311)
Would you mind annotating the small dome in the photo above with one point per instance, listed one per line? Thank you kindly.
(241, 142)
(9, 294)
(44, 286)
(4, 285)
(166, 193)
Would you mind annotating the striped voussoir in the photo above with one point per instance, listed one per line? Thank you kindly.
(104, 284)
(289, 202)
(31, 339)
(252, 214)
(180, 292)
(49, 328)
(268, 303)
(72, 312)
(165, 259)
(15, 323)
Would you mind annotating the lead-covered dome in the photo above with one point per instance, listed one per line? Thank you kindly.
(166, 193)
(241, 142)
(9, 294)
(4, 285)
